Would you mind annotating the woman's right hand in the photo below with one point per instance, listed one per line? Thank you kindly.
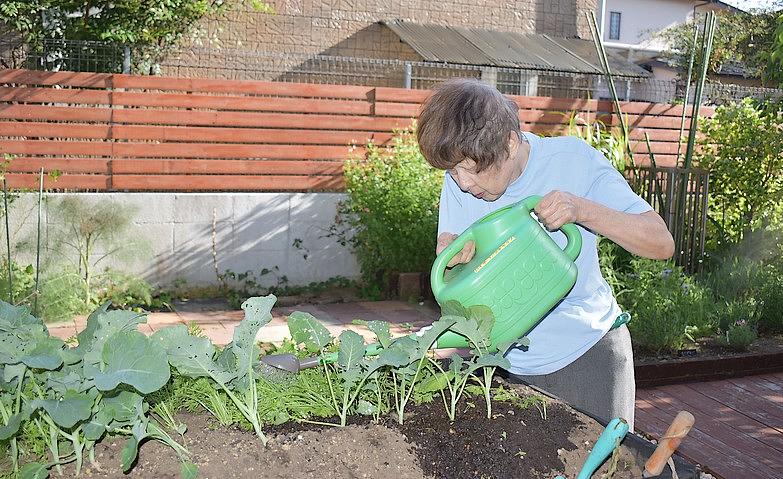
(464, 256)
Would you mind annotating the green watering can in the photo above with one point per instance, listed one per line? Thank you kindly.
(518, 271)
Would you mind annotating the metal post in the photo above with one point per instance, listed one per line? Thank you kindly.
(408, 75)
(126, 60)
(627, 90)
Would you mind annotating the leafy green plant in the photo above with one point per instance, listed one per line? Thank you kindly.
(609, 141)
(153, 28)
(390, 216)
(412, 351)
(474, 323)
(233, 369)
(771, 311)
(349, 374)
(89, 234)
(746, 37)
(80, 394)
(743, 149)
(741, 311)
(667, 305)
(739, 336)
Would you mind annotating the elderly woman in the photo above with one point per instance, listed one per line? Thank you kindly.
(472, 131)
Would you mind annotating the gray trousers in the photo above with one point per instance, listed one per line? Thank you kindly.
(600, 382)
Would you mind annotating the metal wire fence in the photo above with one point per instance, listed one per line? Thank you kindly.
(243, 64)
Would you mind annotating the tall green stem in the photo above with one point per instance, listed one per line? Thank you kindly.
(38, 246)
(8, 243)
(687, 90)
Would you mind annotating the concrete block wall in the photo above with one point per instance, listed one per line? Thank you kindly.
(250, 231)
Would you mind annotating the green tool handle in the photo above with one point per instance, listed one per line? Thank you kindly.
(574, 244)
(607, 442)
(438, 281)
(373, 349)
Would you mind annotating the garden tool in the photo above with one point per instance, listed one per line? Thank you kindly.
(293, 364)
(607, 442)
(678, 429)
(518, 271)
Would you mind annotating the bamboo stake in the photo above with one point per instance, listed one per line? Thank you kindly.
(38, 246)
(8, 243)
(687, 91)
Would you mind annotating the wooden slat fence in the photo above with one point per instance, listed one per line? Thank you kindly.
(111, 132)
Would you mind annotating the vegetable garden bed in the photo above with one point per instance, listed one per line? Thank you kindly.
(120, 404)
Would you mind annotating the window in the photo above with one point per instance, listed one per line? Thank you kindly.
(614, 25)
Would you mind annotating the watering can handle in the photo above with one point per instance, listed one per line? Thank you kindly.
(437, 281)
(574, 245)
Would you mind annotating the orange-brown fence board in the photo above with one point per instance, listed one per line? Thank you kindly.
(97, 131)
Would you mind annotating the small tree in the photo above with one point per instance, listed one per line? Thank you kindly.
(151, 26)
(743, 149)
(746, 37)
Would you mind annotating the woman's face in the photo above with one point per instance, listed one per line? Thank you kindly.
(491, 183)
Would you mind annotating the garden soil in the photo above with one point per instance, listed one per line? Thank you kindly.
(515, 443)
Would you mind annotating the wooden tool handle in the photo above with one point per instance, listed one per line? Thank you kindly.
(678, 429)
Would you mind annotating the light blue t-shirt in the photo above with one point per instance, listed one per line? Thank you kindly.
(589, 310)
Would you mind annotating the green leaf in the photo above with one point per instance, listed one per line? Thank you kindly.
(14, 423)
(33, 470)
(429, 337)
(484, 317)
(257, 314)
(306, 329)
(124, 407)
(67, 411)
(455, 366)
(394, 357)
(188, 470)
(132, 358)
(453, 308)
(129, 453)
(471, 330)
(493, 360)
(366, 408)
(381, 331)
(16, 317)
(93, 430)
(190, 355)
(436, 382)
(46, 354)
(352, 350)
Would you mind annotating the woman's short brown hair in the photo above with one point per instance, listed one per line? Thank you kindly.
(466, 118)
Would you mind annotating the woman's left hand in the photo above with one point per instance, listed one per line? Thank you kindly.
(557, 208)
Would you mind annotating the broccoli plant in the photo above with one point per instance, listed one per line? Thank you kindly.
(233, 369)
(475, 324)
(78, 395)
(349, 375)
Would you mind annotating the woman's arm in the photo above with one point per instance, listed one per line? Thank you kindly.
(642, 234)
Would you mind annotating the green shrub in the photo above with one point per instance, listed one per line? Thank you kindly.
(743, 311)
(771, 313)
(743, 149)
(738, 337)
(391, 214)
(59, 298)
(666, 304)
